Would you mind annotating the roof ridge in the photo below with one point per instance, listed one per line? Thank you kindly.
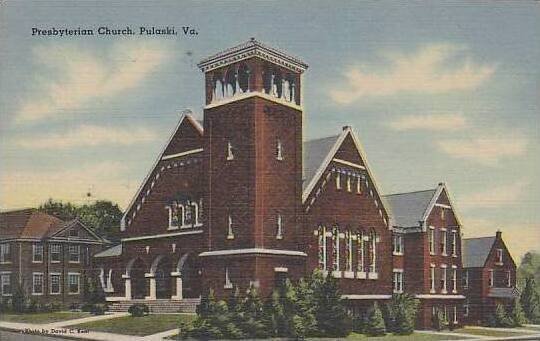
(411, 192)
(464, 239)
(18, 210)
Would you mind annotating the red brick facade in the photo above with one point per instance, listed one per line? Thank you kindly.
(241, 200)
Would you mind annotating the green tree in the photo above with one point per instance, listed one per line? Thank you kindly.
(330, 313)
(213, 322)
(403, 310)
(530, 301)
(501, 317)
(516, 314)
(529, 267)
(252, 313)
(102, 216)
(375, 322)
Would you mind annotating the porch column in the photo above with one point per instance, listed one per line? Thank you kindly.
(178, 293)
(127, 289)
(152, 286)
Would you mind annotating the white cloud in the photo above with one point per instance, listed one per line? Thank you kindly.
(30, 188)
(519, 237)
(426, 71)
(487, 150)
(82, 77)
(88, 135)
(429, 122)
(495, 197)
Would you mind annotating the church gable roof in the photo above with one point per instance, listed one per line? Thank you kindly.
(185, 139)
(318, 154)
(408, 209)
(476, 251)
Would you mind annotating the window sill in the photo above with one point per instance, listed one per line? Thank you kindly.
(444, 292)
(37, 294)
(454, 291)
(348, 274)
(432, 291)
(373, 275)
(336, 274)
(73, 262)
(361, 275)
(230, 236)
(279, 237)
(444, 254)
(499, 263)
(54, 293)
(228, 286)
(5, 262)
(7, 295)
(73, 293)
(172, 228)
(37, 262)
(397, 253)
(55, 262)
(454, 255)
(398, 291)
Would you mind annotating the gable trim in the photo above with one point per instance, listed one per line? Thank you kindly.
(330, 156)
(73, 223)
(172, 156)
(440, 188)
(347, 163)
(186, 114)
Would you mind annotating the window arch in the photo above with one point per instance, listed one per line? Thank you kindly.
(218, 88)
(230, 82)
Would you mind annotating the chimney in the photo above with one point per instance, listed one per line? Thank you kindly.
(498, 234)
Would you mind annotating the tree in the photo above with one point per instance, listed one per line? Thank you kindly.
(530, 301)
(516, 314)
(101, 216)
(529, 267)
(18, 299)
(330, 313)
(252, 313)
(501, 317)
(375, 322)
(213, 322)
(403, 310)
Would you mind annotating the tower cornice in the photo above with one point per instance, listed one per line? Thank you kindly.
(252, 48)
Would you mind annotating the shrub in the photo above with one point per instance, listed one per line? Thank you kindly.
(100, 309)
(18, 299)
(56, 307)
(516, 314)
(501, 317)
(30, 306)
(530, 301)
(439, 322)
(402, 311)
(375, 322)
(138, 310)
(329, 308)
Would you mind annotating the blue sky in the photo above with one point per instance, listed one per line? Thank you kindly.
(437, 91)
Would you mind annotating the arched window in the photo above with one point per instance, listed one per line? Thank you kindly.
(373, 249)
(279, 150)
(230, 154)
(335, 249)
(321, 233)
(349, 241)
(218, 91)
(277, 85)
(230, 229)
(279, 227)
(243, 78)
(360, 266)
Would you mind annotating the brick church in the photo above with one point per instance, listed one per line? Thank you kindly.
(240, 200)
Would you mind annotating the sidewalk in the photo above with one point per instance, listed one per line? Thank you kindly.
(62, 329)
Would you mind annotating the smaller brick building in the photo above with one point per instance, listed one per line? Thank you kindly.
(427, 252)
(489, 277)
(49, 257)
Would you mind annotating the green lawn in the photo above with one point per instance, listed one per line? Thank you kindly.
(487, 332)
(42, 318)
(412, 337)
(140, 326)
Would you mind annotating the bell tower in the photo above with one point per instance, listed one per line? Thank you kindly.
(253, 164)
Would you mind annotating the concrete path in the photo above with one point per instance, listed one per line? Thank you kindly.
(465, 336)
(510, 330)
(85, 319)
(161, 336)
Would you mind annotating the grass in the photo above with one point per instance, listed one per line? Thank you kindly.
(487, 332)
(412, 337)
(140, 326)
(43, 318)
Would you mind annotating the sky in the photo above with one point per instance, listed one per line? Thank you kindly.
(436, 91)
